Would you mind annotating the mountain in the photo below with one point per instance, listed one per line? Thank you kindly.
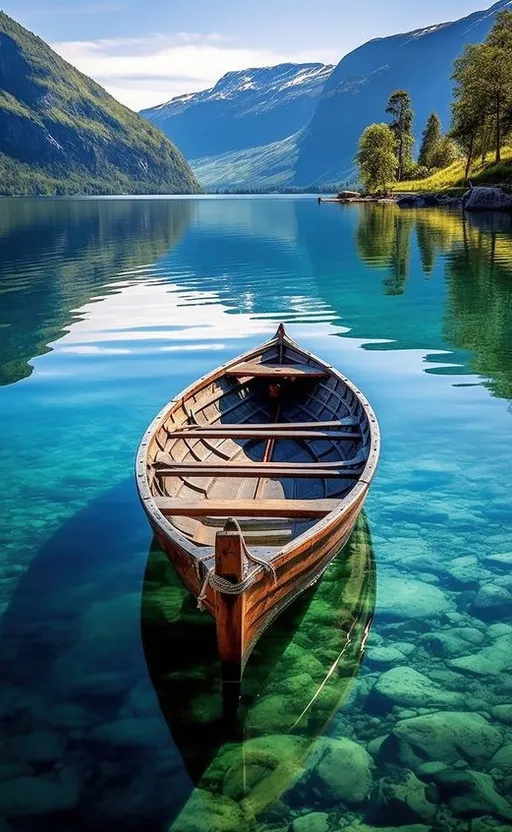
(243, 110)
(60, 132)
(299, 124)
(269, 167)
(356, 92)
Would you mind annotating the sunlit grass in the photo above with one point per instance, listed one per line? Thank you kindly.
(454, 175)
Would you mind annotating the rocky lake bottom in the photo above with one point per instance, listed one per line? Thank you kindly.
(382, 699)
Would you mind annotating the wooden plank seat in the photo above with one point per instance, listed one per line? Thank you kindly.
(245, 508)
(248, 368)
(270, 432)
(350, 468)
(348, 421)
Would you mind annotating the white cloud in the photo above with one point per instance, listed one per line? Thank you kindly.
(142, 72)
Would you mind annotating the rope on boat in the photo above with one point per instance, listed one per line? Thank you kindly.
(220, 584)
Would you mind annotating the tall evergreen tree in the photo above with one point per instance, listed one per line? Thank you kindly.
(430, 140)
(400, 107)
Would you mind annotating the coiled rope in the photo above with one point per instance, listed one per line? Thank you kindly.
(221, 584)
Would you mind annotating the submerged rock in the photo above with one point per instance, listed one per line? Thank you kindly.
(313, 822)
(381, 656)
(344, 769)
(488, 824)
(403, 798)
(472, 793)
(38, 747)
(503, 757)
(465, 572)
(492, 601)
(453, 642)
(26, 796)
(207, 812)
(363, 827)
(489, 661)
(447, 736)
(501, 559)
(406, 686)
(131, 732)
(503, 713)
(404, 597)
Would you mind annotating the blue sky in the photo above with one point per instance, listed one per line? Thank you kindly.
(146, 51)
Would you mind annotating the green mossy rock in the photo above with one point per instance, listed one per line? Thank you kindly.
(313, 822)
(207, 812)
(503, 757)
(472, 793)
(503, 713)
(343, 769)
(403, 798)
(407, 687)
(363, 827)
(447, 736)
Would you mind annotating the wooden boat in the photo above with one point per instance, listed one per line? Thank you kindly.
(253, 479)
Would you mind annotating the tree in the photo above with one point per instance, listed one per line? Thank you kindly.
(376, 157)
(482, 109)
(469, 107)
(431, 137)
(400, 107)
(445, 153)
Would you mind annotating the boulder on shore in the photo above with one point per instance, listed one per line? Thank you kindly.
(487, 199)
(429, 200)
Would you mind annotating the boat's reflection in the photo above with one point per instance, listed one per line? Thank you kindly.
(298, 677)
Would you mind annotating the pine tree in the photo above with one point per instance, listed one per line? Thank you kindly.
(400, 107)
(430, 140)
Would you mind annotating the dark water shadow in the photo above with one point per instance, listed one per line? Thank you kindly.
(78, 713)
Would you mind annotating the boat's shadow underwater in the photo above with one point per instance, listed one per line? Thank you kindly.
(298, 677)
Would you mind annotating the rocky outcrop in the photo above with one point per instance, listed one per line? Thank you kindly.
(487, 199)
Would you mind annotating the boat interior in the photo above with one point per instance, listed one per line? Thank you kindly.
(276, 441)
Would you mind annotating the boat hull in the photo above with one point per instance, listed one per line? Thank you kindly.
(267, 598)
(235, 445)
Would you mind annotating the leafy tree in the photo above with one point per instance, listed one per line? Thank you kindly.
(482, 108)
(376, 157)
(400, 107)
(469, 107)
(431, 137)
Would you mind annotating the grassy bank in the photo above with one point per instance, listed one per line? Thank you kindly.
(453, 176)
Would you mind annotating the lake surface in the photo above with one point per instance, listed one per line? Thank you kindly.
(384, 697)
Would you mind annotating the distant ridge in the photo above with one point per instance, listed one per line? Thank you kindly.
(244, 109)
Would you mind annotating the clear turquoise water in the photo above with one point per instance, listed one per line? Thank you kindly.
(108, 696)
